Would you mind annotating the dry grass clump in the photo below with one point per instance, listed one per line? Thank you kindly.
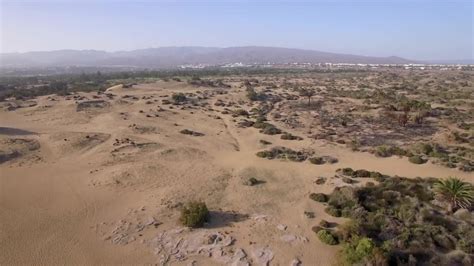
(323, 160)
(289, 136)
(194, 214)
(192, 133)
(361, 173)
(283, 153)
(319, 197)
(417, 159)
(267, 128)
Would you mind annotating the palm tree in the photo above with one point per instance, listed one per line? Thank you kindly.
(307, 93)
(457, 193)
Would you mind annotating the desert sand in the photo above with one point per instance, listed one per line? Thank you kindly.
(102, 182)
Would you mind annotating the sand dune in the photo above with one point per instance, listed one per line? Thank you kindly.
(112, 177)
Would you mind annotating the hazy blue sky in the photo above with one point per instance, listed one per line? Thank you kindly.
(417, 29)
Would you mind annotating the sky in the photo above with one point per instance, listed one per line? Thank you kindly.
(414, 29)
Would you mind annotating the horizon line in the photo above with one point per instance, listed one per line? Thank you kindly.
(227, 47)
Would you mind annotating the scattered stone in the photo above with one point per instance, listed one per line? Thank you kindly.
(252, 181)
(293, 238)
(295, 262)
(263, 256)
(260, 218)
(288, 238)
(179, 244)
(282, 227)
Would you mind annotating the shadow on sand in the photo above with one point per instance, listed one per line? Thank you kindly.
(15, 131)
(224, 218)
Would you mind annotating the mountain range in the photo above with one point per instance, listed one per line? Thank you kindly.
(170, 57)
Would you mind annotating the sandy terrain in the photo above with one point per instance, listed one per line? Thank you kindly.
(102, 182)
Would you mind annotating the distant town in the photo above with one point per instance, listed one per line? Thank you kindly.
(330, 66)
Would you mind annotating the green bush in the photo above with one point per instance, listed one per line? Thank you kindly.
(265, 154)
(343, 197)
(396, 219)
(260, 119)
(346, 212)
(348, 180)
(261, 124)
(423, 148)
(327, 237)
(387, 151)
(383, 151)
(347, 171)
(266, 128)
(289, 136)
(241, 112)
(333, 211)
(316, 160)
(354, 145)
(416, 159)
(375, 175)
(179, 97)
(296, 157)
(358, 250)
(269, 129)
(348, 230)
(330, 159)
(319, 197)
(194, 214)
(283, 153)
(361, 173)
(439, 154)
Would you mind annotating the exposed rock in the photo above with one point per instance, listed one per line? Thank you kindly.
(282, 227)
(263, 256)
(179, 244)
(295, 262)
(293, 238)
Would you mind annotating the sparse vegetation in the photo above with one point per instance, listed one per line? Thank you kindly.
(194, 214)
(264, 142)
(320, 197)
(268, 129)
(283, 153)
(323, 160)
(308, 93)
(316, 160)
(417, 159)
(327, 237)
(288, 136)
(455, 192)
(387, 151)
(190, 132)
(375, 236)
(423, 117)
(179, 98)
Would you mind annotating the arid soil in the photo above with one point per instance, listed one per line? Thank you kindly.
(99, 178)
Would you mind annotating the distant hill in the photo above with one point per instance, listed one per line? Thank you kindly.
(168, 57)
